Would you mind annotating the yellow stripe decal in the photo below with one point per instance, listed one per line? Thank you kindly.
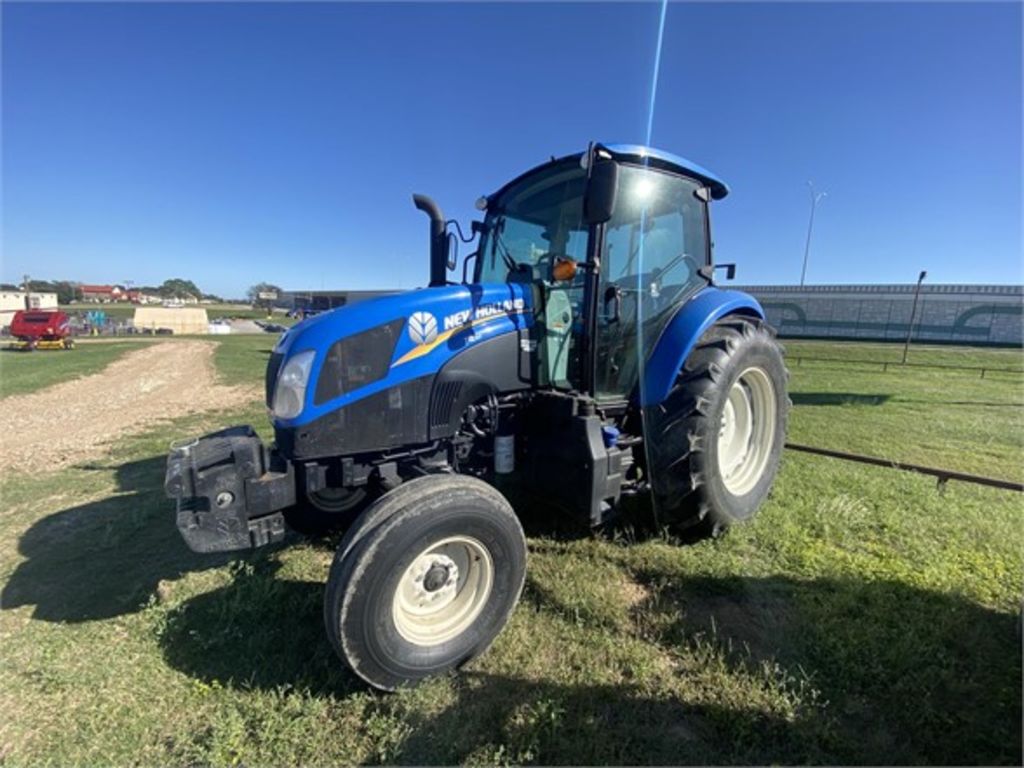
(424, 349)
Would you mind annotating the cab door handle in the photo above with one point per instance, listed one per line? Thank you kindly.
(612, 295)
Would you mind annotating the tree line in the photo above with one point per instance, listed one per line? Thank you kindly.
(69, 291)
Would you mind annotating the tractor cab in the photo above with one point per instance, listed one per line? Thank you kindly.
(613, 241)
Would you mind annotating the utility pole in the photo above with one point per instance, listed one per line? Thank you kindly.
(913, 314)
(815, 197)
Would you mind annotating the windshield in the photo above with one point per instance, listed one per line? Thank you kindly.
(534, 221)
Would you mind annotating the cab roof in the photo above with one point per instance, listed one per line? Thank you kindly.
(657, 157)
(637, 153)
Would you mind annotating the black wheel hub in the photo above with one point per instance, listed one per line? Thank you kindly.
(435, 578)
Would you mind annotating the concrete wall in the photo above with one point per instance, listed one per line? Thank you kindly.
(965, 314)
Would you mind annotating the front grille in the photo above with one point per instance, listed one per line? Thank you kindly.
(357, 360)
(273, 365)
(444, 397)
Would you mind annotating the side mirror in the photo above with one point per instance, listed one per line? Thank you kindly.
(708, 271)
(453, 252)
(602, 190)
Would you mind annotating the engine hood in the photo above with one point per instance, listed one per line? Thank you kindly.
(432, 325)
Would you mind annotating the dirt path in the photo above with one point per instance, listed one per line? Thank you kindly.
(65, 423)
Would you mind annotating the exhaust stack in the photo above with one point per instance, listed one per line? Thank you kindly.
(438, 239)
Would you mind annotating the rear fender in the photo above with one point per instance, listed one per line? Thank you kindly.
(682, 333)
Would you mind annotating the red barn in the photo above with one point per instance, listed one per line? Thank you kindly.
(102, 293)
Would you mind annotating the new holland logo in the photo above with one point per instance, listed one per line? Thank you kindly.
(422, 327)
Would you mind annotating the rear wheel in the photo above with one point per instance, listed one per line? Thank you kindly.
(425, 580)
(717, 439)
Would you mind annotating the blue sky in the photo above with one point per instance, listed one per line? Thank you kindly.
(234, 143)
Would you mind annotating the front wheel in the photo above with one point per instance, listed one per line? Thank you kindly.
(425, 580)
(717, 439)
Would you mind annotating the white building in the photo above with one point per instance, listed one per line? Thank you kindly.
(12, 301)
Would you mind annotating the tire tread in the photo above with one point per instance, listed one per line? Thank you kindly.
(682, 421)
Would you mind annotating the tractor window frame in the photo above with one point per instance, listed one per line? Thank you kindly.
(698, 185)
(491, 267)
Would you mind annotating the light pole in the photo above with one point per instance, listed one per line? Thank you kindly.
(913, 314)
(815, 197)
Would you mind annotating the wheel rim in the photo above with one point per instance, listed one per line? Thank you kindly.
(335, 500)
(746, 431)
(443, 591)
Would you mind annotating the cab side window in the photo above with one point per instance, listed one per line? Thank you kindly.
(653, 247)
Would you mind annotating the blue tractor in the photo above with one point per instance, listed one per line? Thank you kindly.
(589, 358)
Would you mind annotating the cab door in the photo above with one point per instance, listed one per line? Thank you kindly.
(653, 247)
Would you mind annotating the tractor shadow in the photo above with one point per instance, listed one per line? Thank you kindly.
(837, 398)
(503, 720)
(900, 674)
(905, 675)
(260, 632)
(105, 558)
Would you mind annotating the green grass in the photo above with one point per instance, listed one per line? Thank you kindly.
(937, 417)
(863, 617)
(919, 354)
(22, 372)
(241, 359)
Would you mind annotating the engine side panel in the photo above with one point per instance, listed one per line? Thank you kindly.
(501, 364)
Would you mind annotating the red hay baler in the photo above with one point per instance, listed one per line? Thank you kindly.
(41, 329)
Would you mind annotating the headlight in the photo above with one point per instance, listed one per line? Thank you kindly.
(290, 392)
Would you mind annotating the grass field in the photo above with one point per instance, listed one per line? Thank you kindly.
(863, 617)
(22, 372)
(991, 357)
(242, 359)
(951, 419)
